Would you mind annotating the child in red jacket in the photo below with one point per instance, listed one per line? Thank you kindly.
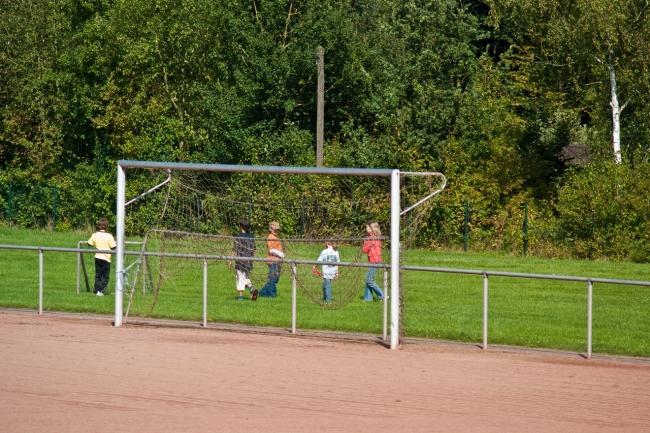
(372, 247)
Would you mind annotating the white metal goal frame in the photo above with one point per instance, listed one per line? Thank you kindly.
(395, 213)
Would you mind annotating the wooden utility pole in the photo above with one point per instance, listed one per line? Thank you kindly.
(320, 105)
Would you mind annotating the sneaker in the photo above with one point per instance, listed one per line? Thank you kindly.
(240, 298)
(100, 293)
(254, 294)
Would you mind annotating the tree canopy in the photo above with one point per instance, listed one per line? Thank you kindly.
(488, 91)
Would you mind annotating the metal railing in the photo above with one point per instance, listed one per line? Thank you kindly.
(485, 274)
(204, 257)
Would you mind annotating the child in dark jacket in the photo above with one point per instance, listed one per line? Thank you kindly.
(244, 247)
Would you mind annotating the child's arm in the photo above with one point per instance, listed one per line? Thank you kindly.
(276, 253)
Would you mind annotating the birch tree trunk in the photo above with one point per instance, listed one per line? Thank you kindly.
(616, 115)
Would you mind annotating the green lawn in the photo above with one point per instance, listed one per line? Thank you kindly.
(525, 312)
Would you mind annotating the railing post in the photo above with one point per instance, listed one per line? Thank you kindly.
(205, 293)
(143, 272)
(385, 333)
(40, 280)
(293, 297)
(590, 290)
(485, 310)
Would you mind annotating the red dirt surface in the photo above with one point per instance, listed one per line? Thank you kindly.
(75, 374)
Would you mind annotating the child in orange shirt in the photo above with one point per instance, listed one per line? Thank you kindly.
(275, 255)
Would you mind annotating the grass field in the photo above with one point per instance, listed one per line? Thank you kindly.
(524, 312)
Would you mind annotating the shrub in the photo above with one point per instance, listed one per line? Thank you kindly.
(604, 210)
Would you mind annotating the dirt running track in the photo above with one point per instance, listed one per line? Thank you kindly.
(73, 374)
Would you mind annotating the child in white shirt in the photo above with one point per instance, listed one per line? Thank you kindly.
(330, 272)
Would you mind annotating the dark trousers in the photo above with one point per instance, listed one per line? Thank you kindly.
(102, 269)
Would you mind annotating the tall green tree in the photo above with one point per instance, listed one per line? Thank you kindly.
(34, 102)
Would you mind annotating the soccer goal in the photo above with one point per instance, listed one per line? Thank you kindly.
(181, 211)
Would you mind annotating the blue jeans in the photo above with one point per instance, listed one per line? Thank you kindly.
(270, 289)
(371, 286)
(327, 290)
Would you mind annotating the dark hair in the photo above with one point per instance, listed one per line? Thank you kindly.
(245, 225)
(102, 224)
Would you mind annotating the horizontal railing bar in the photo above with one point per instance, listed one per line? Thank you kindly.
(194, 256)
(126, 242)
(525, 275)
(347, 264)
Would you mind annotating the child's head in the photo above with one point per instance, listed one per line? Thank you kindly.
(102, 224)
(274, 226)
(245, 225)
(373, 229)
(330, 243)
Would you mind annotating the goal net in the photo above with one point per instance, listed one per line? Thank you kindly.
(189, 213)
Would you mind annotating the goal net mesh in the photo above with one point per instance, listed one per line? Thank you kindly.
(193, 216)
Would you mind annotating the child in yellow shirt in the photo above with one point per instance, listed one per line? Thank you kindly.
(102, 240)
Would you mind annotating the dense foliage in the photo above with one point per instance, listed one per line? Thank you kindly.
(490, 92)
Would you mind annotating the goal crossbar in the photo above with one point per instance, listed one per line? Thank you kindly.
(234, 168)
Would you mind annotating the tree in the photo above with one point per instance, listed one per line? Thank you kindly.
(34, 86)
(591, 50)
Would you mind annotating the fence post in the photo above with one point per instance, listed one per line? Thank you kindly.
(40, 280)
(205, 293)
(54, 191)
(250, 210)
(466, 228)
(485, 310)
(590, 290)
(303, 218)
(293, 298)
(9, 208)
(78, 266)
(524, 229)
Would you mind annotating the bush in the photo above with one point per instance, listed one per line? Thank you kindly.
(27, 202)
(641, 251)
(71, 200)
(604, 211)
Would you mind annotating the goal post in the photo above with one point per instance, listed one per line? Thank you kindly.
(391, 176)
